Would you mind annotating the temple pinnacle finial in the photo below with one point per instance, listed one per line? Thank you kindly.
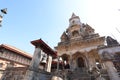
(73, 15)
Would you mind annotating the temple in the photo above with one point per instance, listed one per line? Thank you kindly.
(81, 54)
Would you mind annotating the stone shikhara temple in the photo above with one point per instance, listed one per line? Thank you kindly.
(80, 55)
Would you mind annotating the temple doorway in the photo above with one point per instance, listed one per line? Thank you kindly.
(80, 62)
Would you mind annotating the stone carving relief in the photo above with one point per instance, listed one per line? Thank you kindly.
(111, 41)
(86, 30)
(64, 37)
(75, 33)
(107, 56)
(96, 72)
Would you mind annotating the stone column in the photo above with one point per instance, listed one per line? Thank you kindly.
(91, 61)
(107, 59)
(111, 70)
(49, 63)
(87, 60)
(32, 72)
(71, 62)
(57, 64)
(36, 59)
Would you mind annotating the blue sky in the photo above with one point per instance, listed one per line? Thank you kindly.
(29, 20)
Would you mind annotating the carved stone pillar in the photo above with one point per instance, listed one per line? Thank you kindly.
(107, 61)
(34, 66)
(34, 73)
(91, 60)
(49, 63)
(111, 70)
(71, 62)
(36, 59)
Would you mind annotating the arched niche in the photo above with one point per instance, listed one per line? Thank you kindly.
(80, 60)
(75, 33)
(65, 57)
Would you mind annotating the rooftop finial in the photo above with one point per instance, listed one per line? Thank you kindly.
(73, 15)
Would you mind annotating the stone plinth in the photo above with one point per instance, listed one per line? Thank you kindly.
(14, 73)
(111, 70)
(37, 75)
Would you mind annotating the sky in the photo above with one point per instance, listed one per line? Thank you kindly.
(29, 20)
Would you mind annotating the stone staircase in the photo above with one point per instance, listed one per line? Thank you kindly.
(79, 74)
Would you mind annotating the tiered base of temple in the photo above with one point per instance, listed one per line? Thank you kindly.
(23, 73)
(82, 74)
